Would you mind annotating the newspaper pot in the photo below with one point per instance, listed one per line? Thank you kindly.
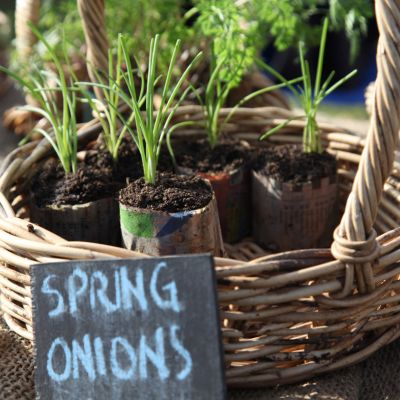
(233, 193)
(287, 216)
(161, 233)
(95, 221)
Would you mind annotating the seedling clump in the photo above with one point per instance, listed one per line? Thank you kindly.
(310, 95)
(152, 126)
(44, 86)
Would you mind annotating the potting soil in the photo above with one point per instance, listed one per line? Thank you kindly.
(51, 186)
(129, 164)
(171, 193)
(289, 164)
(98, 176)
(199, 157)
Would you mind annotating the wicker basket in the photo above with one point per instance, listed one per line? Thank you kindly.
(288, 316)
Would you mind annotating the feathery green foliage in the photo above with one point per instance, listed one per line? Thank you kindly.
(284, 22)
(232, 53)
(222, 22)
(225, 25)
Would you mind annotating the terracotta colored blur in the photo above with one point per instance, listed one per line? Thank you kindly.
(233, 193)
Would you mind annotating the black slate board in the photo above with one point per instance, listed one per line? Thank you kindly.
(97, 337)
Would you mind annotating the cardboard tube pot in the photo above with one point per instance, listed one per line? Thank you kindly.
(233, 193)
(160, 233)
(96, 221)
(287, 217)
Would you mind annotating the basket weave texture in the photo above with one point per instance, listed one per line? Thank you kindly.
(285, 317)
(16, 366)
(376, 378)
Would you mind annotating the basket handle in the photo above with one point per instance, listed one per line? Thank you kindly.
(93, 20)
(92, 14)
(26, 11)
(355, 241)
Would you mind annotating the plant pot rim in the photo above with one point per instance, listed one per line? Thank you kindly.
(294, 186)
(188, 170)
(60, 207)
(178, 214)
(209, 174)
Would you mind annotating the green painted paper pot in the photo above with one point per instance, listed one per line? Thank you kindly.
(160, 233)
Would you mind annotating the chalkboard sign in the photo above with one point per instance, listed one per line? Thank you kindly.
(127, 329)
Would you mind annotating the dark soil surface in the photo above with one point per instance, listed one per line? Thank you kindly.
(98, 176)
(199, 157)
(289, 164)
(129, 164)
(171, 193)
(51, 186)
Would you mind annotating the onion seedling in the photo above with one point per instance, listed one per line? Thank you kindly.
(43, 86)
(310, 95)
(106, 111)
(152, 126)
(215, 98)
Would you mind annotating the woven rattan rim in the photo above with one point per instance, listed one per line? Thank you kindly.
(288, 316)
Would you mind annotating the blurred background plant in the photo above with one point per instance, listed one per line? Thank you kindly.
(267, 28)
(285, 22)
(139, 20)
